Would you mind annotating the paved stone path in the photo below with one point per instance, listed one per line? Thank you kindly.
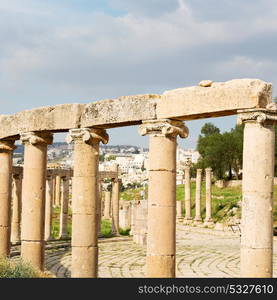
(198, 255)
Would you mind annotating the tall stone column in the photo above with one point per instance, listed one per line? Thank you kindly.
(54, 190)
(161, 224)
(257, 188)
(188, 218)
(16, 208)
(208, 219)
(179, 209)
(48, 208)
(64, 207)
(6, 151)
(107, 205)
(99, 206)
(198, 219)
(58, 191)
(115, 203)
(33, 196)
(84, 200)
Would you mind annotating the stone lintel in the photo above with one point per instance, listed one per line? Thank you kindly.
(209, 99)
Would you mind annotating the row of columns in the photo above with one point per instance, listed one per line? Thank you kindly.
(187, 199)
(258, 167)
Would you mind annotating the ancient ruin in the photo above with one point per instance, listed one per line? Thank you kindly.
(161, 117)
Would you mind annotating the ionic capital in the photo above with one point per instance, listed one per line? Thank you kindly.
(35, 138)
(87, 135)
(7, 145)
(164, 127)
(208, 170)
(262, 115)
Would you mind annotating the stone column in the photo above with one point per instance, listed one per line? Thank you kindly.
(33, 196)
(64, 207)
(6, 150)
(198, 219)
(208, 219)
(99, 206)
(257, 188)
(16, 208)
(48, 208)
(161, 237)
(107, 206)
(125, 216)
(133, 210)
(84, 200)
(188, 218)
(58, 191)
(54, 190)
(115, 204)
(179, 209)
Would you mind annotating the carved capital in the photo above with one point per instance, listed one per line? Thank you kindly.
(164, 127)
(7, 145)
(261, 116)
(87, 135)
(208, 170)
(36, 138)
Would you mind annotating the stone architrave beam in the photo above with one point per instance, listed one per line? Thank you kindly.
(203, 101)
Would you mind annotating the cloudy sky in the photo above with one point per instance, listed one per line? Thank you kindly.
(67, 51)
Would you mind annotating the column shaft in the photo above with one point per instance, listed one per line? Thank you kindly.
(115, 206)
(48, 208)
(16, 208)
(99, 207)
(208, 219)
(64, 208)
(33, 197)
(6, 150)
(198, 218)
(188, 217)
(58, 191)
(179, 209)
(107, 205)
(161, 238)
(84, 200)
(256, 220)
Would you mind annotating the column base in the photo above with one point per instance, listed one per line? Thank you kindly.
(188, 221)
(63, 237)
(33, 252)
(197, 221)
(179, 219)
(208, 222)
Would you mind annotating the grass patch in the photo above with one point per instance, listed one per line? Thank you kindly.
(20, 269)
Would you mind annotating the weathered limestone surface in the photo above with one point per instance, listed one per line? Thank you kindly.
(16, 208)
(220, 98)
(56, 118)
(84, 200)
(257, 203)
(6, 149)
(161, 223)
(126, 109)
(33, 197)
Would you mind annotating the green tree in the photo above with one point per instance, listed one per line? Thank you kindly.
(221, 152)
(209, 129)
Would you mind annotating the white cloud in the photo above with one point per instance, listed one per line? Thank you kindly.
(52, 52)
